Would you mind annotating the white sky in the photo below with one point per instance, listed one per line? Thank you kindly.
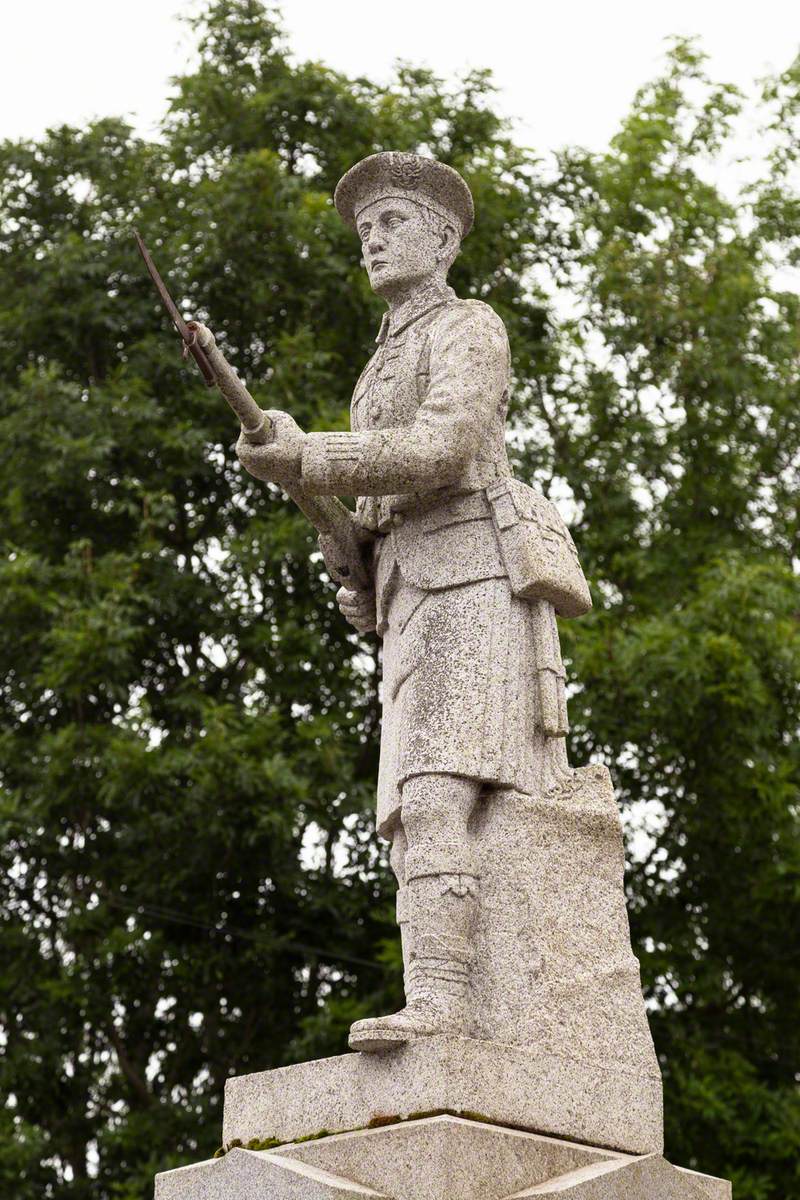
(567, 70)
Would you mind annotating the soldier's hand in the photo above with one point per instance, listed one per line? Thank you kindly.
(278, 461)
(358, 608)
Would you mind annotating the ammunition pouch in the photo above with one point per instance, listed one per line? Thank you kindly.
(537, 549)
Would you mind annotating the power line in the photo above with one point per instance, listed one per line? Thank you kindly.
(159, 912)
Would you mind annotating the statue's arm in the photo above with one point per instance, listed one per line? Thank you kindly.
(468, 376)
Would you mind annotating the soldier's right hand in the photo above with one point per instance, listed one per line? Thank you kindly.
(358, 608)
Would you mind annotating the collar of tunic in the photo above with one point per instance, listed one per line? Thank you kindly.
(413, 308)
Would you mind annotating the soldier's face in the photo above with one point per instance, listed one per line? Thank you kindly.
(401, 247)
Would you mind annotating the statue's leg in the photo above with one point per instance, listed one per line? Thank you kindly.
(439, 899)
(552, 697)
(397, 860)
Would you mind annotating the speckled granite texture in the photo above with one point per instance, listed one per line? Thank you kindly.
(436, 1158)
(558, 1038)
(595, 1102)
(524, 1004)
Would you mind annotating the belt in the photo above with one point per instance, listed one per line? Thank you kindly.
(390, 511)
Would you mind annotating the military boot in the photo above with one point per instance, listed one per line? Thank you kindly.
(439, 954)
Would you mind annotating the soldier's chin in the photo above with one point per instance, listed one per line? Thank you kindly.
(381, 278)
(386, 282)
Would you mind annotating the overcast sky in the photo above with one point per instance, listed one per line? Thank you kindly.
(567, 70)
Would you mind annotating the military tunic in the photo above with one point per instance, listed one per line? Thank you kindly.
(459, 661)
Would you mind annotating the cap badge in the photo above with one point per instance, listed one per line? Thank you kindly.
(406, 170)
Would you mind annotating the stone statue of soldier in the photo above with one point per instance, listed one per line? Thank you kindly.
(469, 567)
(524, 999)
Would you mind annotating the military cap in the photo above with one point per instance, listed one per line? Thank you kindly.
(408, 177)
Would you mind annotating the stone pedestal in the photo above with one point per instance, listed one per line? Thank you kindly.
(436, 1158)
(555, 1087)
(595, 1102)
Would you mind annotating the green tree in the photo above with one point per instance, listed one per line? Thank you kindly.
(189, 737)
(673, 424)
(190, 887)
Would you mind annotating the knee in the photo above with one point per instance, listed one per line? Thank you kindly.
(426, 810)
(434, 813)
(397, 854)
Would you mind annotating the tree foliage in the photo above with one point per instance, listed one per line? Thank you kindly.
(188, 741)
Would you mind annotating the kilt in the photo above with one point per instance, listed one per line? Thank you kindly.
(459, 686)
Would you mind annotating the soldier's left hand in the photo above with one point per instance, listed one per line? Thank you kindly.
(357, 607)
(279, 460)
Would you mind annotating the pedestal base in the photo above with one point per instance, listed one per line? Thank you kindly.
(555, 1090)
(437, 1158)
(591, 1101)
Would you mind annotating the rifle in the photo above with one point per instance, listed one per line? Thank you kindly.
(340, 539)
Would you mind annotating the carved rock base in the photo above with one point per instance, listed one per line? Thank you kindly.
(554, 967)
(437, 1158)
(597, 1101)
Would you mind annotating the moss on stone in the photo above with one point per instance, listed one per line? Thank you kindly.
(378, 1122)
(323, 1133)
(381, 1120)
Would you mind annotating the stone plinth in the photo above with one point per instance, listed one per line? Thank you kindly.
(555, 1092)
(436, 1158)
(596, 1102)
(558, 1040)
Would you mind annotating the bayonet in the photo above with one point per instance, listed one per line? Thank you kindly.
(190, 345)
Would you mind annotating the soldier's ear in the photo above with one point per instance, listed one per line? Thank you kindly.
(448, 244)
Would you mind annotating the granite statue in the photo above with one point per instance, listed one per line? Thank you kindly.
(522, 1063)
(468, 568)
